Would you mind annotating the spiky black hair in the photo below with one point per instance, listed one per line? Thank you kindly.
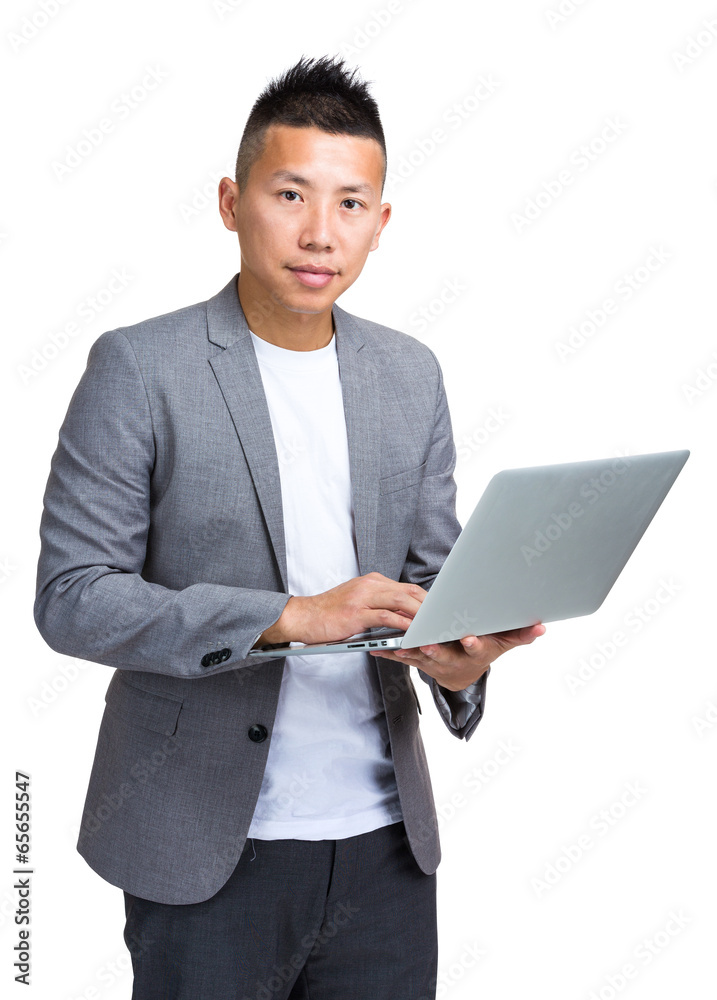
(319, 93)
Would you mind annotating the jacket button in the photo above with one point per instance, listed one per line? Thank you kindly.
(257, 734)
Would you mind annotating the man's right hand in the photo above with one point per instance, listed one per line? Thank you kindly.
(370, 601)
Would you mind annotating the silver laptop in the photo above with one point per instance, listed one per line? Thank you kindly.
(543, 544)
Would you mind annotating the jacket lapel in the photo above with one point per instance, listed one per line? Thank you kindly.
(362, 409)
(237, 371)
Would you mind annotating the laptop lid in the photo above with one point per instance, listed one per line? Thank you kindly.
(544, 543)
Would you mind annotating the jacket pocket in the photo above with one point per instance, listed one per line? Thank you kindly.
(157, 712)
(401, 480)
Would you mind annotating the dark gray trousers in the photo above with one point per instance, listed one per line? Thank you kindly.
(350, 919)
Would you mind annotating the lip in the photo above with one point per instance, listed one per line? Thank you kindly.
(313, 276)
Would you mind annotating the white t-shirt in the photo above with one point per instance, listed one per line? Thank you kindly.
(329, 773)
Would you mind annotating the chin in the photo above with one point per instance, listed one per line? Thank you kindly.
(312, 306)
(308, 301)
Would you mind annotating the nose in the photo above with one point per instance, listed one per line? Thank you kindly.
(317, 233)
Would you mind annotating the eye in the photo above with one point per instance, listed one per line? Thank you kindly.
(350, 202)
(295, 196)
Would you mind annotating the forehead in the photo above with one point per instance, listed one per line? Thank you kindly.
(317, 155)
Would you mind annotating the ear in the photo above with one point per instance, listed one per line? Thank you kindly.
(228, 199)
(384, 217)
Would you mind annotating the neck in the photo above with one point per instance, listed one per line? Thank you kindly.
(279, 326)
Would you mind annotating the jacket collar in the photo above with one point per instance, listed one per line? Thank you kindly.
(237, 371)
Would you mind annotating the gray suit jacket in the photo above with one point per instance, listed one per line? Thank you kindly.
(163, 556)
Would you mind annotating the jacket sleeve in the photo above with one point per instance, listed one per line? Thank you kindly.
(435, 530)
(92, 601)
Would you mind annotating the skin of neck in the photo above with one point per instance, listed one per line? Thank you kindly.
(268, 319)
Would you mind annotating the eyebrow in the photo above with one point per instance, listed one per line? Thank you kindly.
(287, 175)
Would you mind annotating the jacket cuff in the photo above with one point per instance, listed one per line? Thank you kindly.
(461, 710)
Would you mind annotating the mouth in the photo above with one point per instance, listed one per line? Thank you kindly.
(313, 276)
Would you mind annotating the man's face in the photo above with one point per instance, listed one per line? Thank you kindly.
(308, 216)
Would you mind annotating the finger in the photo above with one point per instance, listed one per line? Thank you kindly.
(386, 654)
(520, 636)
(411, 657)
(428, 657)
(440, 654)
(401, 602)
(471, 644)
(402, 598)
(532, 631)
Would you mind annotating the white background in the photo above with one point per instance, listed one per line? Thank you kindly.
(646, 718)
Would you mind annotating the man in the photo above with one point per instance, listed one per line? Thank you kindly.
(265, 467)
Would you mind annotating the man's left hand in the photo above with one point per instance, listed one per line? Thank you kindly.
(461, 662)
